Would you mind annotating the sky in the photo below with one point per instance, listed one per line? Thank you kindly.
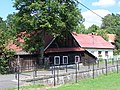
(101, 7)
(6, 7)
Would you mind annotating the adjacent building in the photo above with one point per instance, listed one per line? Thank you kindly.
(96, 45)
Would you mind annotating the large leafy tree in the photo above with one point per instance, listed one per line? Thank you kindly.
(111, 23)
(51, 16)
(5, 52)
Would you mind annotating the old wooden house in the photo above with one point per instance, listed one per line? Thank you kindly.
(65, 49)
(60, 50)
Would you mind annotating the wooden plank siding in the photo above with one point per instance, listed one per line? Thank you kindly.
(26, 62)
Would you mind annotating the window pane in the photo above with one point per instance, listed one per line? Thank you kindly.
(56, 60)
(65, 59)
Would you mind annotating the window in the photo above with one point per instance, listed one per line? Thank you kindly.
(99, 53)
(56, 60)
(77, 59)
(65, 59)
(106, 53)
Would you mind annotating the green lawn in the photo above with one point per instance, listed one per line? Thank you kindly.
(109, 82)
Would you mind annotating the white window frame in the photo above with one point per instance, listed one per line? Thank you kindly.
(78, 59)
(55, 60)
(64, 59)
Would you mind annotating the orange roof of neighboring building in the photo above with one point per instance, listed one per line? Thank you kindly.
(111, 37)
(92, 41)
(48, 38)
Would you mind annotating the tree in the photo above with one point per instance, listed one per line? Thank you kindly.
(111, 23)
(51, 16)
(2, 24)
(80, 29)
(92, 29)
(103, 33)
(5, 53)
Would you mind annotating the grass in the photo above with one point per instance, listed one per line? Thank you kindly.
(109, 82)
(28, 87)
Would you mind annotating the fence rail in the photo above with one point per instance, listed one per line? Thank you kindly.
(57, 75)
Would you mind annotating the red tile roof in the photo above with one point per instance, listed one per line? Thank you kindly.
(51, 50)
(92, 41)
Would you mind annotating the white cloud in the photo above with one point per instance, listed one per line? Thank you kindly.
(104, 3)
(118, 12)
(91, 18)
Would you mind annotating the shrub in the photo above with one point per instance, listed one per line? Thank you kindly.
(5, 57)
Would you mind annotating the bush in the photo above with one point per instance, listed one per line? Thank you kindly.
(4, 66)
(116, 52)
(4, 61)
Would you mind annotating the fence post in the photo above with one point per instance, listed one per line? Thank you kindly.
(66, 67)
(93, 71)
(112, 61)
(97, 63)
(18, 72)
(76, 72)
(78, 66)
(52, 69)
(33, 77)
(36, 70)
(106, 65)
(18, 76)
(54, 76)
(117, 66)
(57, 74)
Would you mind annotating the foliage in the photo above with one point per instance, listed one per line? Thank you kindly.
(2, 24)
(92, 29)
(5, 53)
(103, 33)
(5, 58)
(117, 40)
(116, 52)
(51, 16)
(98, 31)
(111, 23)
(80, 29)
(99, 83)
